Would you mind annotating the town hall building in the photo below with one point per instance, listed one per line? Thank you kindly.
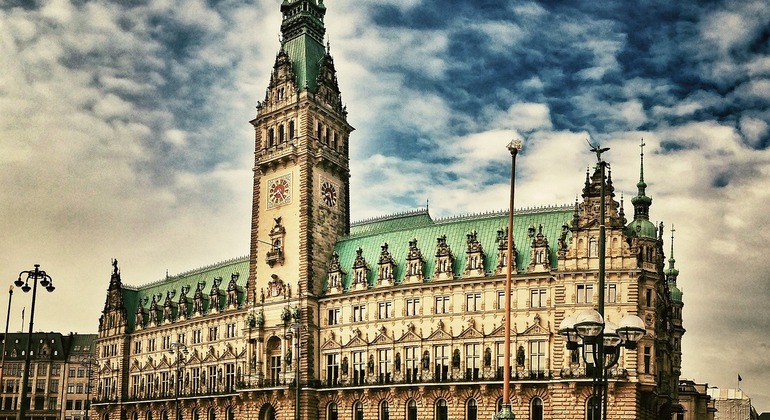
(397, 317)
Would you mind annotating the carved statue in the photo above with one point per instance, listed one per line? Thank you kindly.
(398, 362)
(344, 366)
(520, 356)
(426, 360)
(456, 359)
(488, 357)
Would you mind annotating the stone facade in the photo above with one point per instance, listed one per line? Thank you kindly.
(395, 317)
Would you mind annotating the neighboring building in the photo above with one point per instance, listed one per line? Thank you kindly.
(58, 381)
(695, 401)
(399, 316)
(732, 404)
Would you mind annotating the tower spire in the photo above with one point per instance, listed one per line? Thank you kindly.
(641, 201)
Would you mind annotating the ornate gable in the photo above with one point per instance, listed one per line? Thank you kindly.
(536, 328)
(502, 253)
(409, 335)
(474, 256)
(360, 271)
(386, 267)
(471, 331)
(382, 337)
(439, 333)
(444, 260)
(356, 340)
(331, 343)
(414, 264)
(335, 275)
(540, 256)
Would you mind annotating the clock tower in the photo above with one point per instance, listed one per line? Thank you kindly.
(301, 196)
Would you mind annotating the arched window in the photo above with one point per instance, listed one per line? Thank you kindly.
(411, 410)
(471, 410)
(499, 405)
(274, 360)
(267, 413)
(358, 411)
(106, 416)
(441, 410)
(230, 413)
(134, 415)
(331, 411)
(212, 414)
(536, 409)
(593, 409)
(196, 414)
(384, 410)
(164, 415)
(148, 416)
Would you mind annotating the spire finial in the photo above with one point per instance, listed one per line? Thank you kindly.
(641, 168)
(672, 242)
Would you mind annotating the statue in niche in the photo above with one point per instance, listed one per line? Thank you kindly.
(370, 365)
(520, 356)
(344, 366)
(426, 360)
(456, 359)
(488, 357)
(288, 357)
(398, 362)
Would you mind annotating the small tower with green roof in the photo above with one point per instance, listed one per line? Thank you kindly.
(677, 304)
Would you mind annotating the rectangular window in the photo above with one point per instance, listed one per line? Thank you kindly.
(78, 404)
(412, 307)
(612, 293)
(81, 372)
(442, 305)
(229, 376)
(332, 369)
(384, 310)
(55, 370)
(473, 302)
(441, 358)
(359, 313)
(500, 351)
(68, 405)
(151, 344)
(40, 385)
(181, 338)
(195, 380)
(52, 403)
(42, 369)
(412, 363)
(333, 317)
(584, 293)
(275, 369)
(164, 378)
(359, 367)
(78, 388)
(501, 299)
(212, 381)
(472, 361)
(537, 362)
(647, 359)
(385, 362)
(231, 330)
(137, 347)
(538, 298)
(71, 372)
(197, 336)
(53, 386)
(166, 342)
(213, 333)
(135, 383)
(70, 388)
(648, 297)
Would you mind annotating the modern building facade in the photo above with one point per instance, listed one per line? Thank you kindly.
(395, 317)
(58, 385)
(732, 404)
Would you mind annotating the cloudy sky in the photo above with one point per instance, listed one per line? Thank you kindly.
(124, 134)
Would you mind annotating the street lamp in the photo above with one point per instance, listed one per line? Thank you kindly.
(47, 282)
(5, 337)
(505, 411)
(589, 330)
(89, 362)
(294, 332)
(179, 348)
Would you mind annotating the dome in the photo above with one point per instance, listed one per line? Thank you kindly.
(642, 228)
(675, 293)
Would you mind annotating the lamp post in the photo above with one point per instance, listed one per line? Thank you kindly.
(294, 332)
(505, 411)
(600, 339)
(47, 282)
(179, 348)
(5, 337)
(89, 362)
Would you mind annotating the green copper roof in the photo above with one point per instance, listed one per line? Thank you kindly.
(398, 230)
(206, 275)
(306, 54)
(675, 293)
(642, 228)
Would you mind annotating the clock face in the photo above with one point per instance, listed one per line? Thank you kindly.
(279, 191)
(328, 194)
